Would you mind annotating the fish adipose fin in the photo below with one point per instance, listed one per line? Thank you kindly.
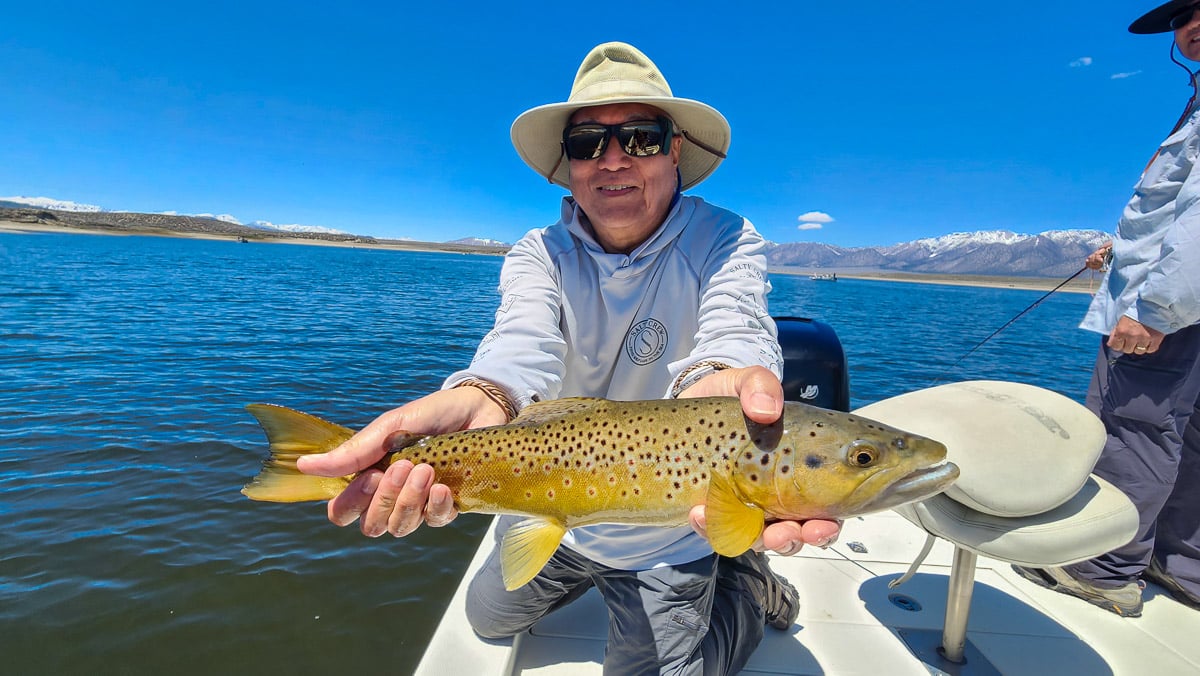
(292, 434)
(733, 526)
(526, 548)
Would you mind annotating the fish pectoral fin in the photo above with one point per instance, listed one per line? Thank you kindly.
(733, 526)
(526, 548)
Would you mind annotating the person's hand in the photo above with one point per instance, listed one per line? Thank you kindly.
(1132, 337)
(762, 401)
(1097, 259)
(399, 499)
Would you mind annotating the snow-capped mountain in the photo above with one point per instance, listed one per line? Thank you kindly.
(17, 202)
(267, 225)
(996, 252)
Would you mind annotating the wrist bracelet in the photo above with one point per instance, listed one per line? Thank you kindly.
(694, 373)
(495, 393)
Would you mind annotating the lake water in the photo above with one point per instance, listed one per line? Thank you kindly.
(125, 363)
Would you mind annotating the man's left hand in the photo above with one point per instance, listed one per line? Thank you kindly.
(762, 401)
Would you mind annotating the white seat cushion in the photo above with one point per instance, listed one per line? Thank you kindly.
(1021, 449)
(1097, 519)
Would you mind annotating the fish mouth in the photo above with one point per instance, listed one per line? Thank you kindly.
(915, 485)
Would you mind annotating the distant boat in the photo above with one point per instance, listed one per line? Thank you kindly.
(243, 240)
(828, 277)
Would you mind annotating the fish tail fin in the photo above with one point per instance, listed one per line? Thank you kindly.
(292, 434)
(526, 548)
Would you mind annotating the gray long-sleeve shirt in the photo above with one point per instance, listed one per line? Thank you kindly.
(577, 321)
(1155, 274)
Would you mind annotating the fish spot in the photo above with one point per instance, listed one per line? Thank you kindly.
(550, 494)
(765, 459)
(813, 461)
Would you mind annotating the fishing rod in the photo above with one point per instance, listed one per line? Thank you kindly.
(1008, 323)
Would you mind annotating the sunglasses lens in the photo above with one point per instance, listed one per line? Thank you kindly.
(641, 139)
(586, 142)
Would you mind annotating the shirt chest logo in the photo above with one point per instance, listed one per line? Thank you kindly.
(646, 342)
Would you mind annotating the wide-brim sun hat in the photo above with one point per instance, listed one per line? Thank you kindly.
(615, 72)
(1158, 20)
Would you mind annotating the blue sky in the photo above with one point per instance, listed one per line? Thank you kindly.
(897, 121)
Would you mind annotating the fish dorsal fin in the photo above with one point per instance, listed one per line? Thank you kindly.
(545, 411)
(526, 548)
(732, 525)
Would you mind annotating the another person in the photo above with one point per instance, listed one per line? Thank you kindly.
(638, 292)
(1147, 376)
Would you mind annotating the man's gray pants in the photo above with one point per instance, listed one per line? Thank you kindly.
(696, 618)
(1148, 406)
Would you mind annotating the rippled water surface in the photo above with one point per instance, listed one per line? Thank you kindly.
(125, 363)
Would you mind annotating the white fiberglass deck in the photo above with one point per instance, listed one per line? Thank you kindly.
(851, 623)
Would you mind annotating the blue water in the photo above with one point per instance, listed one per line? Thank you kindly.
(125, 546)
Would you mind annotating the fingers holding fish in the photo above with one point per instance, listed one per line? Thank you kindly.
(758, 389)
(345, 508)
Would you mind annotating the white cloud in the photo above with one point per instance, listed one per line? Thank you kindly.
(1122, 76)
(810, 226)
(815, 217)
(1081, 62)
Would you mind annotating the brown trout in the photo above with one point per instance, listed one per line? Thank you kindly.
(577, 462)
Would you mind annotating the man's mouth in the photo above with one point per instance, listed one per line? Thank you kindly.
(615, 188)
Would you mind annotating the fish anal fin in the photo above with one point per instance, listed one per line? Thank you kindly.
(526, 548)
(732, 525)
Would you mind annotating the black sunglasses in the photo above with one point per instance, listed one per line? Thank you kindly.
(638, 138)
(1184, 17)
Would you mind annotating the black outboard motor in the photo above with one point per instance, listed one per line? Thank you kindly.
(814, 365)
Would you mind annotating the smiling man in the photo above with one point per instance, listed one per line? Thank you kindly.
(1146, 383)
(637, 292)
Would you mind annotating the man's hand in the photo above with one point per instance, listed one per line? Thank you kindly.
(399, 499)
(762, 401)
(1133, 337)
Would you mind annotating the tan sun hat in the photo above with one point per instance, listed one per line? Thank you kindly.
(615, 72)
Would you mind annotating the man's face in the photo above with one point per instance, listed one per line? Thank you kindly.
(625, 198)
(1187, 36)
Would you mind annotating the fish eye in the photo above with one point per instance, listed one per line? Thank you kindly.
(862, 454)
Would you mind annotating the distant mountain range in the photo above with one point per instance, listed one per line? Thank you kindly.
(1054, 253)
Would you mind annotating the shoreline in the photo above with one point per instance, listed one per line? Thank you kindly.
(19, 227)
(1085, 283)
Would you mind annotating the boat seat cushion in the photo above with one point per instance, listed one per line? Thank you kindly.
(1097, 519)
(1022, 450)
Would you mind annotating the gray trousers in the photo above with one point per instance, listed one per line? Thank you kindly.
(1148, 406)
(697, 618)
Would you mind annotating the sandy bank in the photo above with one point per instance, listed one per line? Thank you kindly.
(265, 237)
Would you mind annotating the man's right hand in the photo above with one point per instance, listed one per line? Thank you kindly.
(399, 499)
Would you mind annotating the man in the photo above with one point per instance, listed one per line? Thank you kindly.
(1147, 376)
(638, 292)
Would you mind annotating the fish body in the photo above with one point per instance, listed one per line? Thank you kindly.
(579, 461)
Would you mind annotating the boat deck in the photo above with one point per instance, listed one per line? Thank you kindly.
(852, 623)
